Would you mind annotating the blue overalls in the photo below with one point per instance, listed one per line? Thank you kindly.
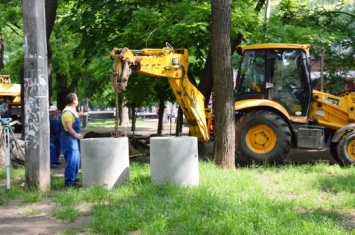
(7, 113)
(55, 125)
(70, 148)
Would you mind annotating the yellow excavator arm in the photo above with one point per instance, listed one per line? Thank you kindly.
(172, 64)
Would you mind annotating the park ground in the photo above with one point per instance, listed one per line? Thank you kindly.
(16, 216)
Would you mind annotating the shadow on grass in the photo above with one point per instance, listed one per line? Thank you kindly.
(168, 209)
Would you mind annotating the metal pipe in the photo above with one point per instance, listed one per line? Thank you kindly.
(136, 51)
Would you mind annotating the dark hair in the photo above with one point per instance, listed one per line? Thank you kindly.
(70, 98)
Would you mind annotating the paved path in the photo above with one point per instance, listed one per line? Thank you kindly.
(149, 127)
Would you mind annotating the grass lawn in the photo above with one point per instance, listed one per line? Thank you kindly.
(291, 199)
(106, 123)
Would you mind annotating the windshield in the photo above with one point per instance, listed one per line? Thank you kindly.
(252, 73)
(275, 74)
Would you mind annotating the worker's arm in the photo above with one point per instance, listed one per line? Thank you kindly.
(83, 114)
(68, 120)
(72, 132)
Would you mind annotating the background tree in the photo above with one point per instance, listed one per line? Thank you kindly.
(12, 39)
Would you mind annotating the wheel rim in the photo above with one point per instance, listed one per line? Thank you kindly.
(351, 149)
(261, 139)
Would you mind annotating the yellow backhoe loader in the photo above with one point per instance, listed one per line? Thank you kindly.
(276, 105)
(12, 92)
(9, 90)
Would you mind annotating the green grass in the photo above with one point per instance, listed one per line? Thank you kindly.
(107, 123)
(29, 211)
(291, 199)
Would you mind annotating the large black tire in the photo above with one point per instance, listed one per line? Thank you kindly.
(333, 152)
(261, 136)
(346, 149)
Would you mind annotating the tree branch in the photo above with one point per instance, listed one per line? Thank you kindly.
(13, 29)
(339, 12)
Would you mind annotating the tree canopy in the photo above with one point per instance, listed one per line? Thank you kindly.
(86, 30)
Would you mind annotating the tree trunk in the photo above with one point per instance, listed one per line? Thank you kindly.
(62, 90)
(120, 111)
(124, 114)
(134, 118)
(161, 117)
(51, 13)
(223, 83)
(206, 84)
(1, 51)
(179, 122)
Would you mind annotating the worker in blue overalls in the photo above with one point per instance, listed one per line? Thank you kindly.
(69, 140)
(5, 109)
(55, 126)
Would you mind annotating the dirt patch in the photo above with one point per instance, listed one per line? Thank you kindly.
(18, 217)
(37, 218)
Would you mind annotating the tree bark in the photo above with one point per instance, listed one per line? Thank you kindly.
(51, 13)
(179, 122)
(223, 84)
(62, 90)
(1, 51)
(134, 118)
(206, 83)
(161, 117)
(124, 115)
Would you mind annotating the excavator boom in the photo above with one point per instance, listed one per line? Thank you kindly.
(172, 64)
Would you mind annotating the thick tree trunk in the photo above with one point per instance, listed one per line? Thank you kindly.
(223, 84)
